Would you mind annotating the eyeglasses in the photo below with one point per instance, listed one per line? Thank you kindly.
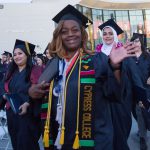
(136, 41)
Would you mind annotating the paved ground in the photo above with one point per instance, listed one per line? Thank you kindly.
(133, 141)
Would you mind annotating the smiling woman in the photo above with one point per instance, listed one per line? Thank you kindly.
(14, 92)
(75, 111)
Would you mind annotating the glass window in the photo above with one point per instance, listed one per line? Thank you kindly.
(79, 8)
(118, 18)
(133, 19)
(111, 12)
(139, 19)
(118, 13)
(132, 12)
(106, 18)
(125, 13)
(147, 17)
(96, 12)
(139, 12)
(105, 12)
(147, 11)
(125, 18)
(87, 12)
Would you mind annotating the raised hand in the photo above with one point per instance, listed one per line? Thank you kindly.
(117, 55)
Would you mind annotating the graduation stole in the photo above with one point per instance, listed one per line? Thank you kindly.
(84, 138)
(87, 96)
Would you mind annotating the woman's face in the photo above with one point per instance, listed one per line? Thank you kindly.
(39, 62)
(48, 54)
(137, 43)
(71, 35)
(20, 58)
(108, 36)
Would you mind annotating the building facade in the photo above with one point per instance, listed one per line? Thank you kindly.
(131, 18)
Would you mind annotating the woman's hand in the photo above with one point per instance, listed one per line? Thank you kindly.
(148, 81)
(141, 104)
(37, 91)
(117, 55)
(4, 97)
(23, 108)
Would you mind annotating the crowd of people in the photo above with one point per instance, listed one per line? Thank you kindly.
(74, 97)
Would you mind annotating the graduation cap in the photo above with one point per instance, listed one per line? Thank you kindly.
(46, 49)
(7, 53)
(71, 13)
(112, 24)
(137, 35)
(25, 46)
(41, 57)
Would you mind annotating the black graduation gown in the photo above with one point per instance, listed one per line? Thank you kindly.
(104, 89)
(24, 130)
(143, 64)
(121, 113)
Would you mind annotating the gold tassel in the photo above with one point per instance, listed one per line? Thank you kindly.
(62, 136)
(76, 143)
(46, 137)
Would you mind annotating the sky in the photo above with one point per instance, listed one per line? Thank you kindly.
(127, 1)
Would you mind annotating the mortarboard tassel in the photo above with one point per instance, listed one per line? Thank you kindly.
(62, 135)
(76, 143)
(46, 137)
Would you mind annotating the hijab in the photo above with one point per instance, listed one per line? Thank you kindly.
(106, 49)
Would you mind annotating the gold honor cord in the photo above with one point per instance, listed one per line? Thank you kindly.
(47, 124)
(76, 143)
(27, 47)
(64, 108)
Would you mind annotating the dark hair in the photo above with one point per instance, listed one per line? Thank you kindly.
(13, 67)
(141, 38)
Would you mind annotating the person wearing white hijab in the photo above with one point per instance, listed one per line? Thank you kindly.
(109, 33)
(121, 118)
(111, 36)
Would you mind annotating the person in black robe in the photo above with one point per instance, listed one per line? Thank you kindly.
(23, 126)
(142, 61)
(75, 79)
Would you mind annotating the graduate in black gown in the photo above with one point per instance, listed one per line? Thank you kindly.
(142, 61)
(121, 112)
(75, 110)
(23, 126)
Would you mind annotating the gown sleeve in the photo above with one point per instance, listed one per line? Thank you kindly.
(105, 75)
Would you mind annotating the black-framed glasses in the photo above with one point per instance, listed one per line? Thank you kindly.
(136, 41)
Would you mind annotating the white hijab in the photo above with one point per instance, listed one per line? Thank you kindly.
(106, 49)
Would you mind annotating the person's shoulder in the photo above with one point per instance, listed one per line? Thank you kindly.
(36, 73)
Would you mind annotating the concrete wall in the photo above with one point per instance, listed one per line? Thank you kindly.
(31, 22)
